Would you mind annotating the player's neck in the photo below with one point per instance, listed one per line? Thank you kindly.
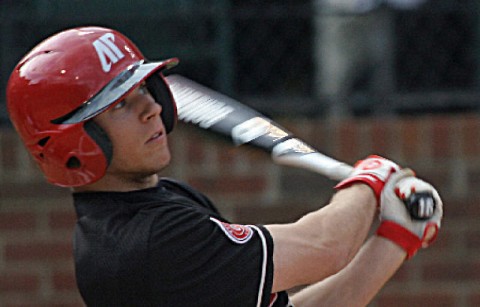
(113, 183)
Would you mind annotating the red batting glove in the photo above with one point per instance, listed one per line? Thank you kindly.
(396, 223)
(374, 171)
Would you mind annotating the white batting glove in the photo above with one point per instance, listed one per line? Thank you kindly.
(396, 222)
(374, 171)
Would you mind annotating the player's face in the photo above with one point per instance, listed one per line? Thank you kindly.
(138, 136)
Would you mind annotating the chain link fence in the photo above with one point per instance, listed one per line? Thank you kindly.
(284, 57)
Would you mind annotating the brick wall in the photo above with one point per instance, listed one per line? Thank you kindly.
(36, 219)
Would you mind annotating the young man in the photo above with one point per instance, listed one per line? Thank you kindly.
(95, 116)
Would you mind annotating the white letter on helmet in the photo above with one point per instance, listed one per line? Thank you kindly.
(106, 49)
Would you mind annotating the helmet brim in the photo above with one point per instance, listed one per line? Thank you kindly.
(114, 91)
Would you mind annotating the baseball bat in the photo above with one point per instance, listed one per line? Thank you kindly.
(216, 112)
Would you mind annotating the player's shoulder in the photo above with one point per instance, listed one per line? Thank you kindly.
(173, 184)
(186, 190)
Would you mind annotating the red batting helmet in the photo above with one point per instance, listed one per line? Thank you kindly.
(66, 80)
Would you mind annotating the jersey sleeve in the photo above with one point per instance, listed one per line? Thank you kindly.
(199, 259)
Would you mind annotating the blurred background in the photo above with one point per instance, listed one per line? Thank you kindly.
(400, 78)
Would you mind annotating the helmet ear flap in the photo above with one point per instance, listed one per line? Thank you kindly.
(101, 138)
(70, 164)
(160, 91)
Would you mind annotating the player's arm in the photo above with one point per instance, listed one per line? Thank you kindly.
(323, 242)
(398, 238)
(358, 283)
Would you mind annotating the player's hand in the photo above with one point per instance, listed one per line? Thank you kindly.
(374, 171)
(396, 223)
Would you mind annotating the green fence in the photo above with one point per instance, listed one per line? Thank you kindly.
(269, 53)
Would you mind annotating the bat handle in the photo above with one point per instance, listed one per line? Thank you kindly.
(421, 205)
(319, 163)
(296, 153)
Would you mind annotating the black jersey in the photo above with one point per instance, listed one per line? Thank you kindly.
(169, 246)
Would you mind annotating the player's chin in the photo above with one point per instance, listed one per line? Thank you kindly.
(152, 170)
(163, 160)
(157, 155)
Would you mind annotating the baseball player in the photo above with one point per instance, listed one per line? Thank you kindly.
(95, 115)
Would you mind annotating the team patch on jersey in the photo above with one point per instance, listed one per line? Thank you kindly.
(239, 234)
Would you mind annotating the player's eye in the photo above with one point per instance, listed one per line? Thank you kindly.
(143, 90)
(119, 105)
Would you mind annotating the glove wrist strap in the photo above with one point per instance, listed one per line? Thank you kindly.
(400, 236)
(371, 180)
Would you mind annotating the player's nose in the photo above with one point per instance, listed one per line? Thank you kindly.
(150, 109)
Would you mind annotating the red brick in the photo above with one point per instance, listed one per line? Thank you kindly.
(404, 273)
(226, 155)
(261, 214)
(64, 281)
(19, 282)
(195, 152)
(9, 157)
(473, 239)
(17, 221)
(434, 299)
(62, 219)
(297, 127)
(318, 136)
(348, 138)
(255, 156)
(460, 208)
(445, 241)
(453, 270)
(440, 177)
(33, 190)
(470, 136)
(380, 137)
(38, 251)
(474, 299)
(474, 182)
(442, 128)
(230, 184)
(410, 137)
(296, 184)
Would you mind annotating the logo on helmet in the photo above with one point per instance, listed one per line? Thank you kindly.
(107, 51)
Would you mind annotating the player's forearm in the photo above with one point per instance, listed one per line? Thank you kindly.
(355, 209)
(322, 242)
(360, 281)
(345, 222)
